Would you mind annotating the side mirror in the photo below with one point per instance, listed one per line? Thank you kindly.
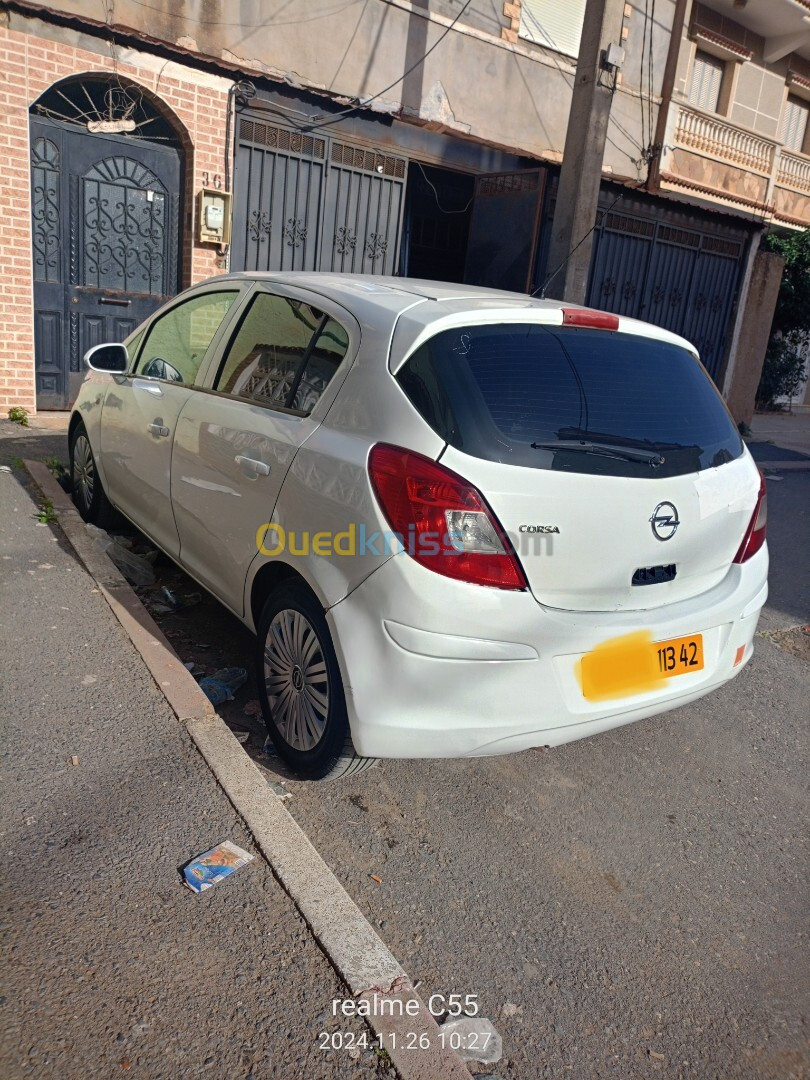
(111, 358)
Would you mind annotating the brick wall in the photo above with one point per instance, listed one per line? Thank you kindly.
(29, 65)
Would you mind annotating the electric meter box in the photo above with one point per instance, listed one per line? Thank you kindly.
(214, 216)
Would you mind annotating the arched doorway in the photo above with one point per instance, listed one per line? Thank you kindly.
(106, 176)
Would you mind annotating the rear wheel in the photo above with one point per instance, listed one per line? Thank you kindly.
(88, 493)
(300, 687)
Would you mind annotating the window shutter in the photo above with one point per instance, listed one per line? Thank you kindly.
(707, 75)
(794, 123)
(557, 24)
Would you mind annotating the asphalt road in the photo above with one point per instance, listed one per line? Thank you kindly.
(628, 906)
(113, 967)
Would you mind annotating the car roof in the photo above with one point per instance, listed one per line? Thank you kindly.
(356, 286)
(380, 301)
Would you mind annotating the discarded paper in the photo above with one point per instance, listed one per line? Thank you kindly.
(215, 865)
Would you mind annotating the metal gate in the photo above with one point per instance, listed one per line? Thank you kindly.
(661, 263)
(682, 278)
(311, 202)
(504, 229)
(104, 223)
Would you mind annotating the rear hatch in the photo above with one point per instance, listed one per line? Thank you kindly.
(608, 457)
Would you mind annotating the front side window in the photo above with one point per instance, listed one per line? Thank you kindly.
(176, 343)
(571, 399)
(284, 354)
(133, 343)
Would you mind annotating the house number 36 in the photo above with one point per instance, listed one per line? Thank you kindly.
(214, 181)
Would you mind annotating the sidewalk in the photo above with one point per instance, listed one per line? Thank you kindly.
(779, 439)
(113, 966)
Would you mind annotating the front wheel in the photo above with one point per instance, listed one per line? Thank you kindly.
(88, 494)
(300, 687)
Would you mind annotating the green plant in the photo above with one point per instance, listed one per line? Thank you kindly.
(783, 372)
(793, 305)
(383, 1057)
(18, 415)
(56, 466)
(47, 515)
(17, 463)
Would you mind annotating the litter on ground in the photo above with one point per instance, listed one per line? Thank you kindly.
(223, 684)
(136, 569)
(215, 865)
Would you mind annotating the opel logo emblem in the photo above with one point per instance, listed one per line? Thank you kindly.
(664, 521)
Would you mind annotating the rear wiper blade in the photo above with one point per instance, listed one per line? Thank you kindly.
(624, 453)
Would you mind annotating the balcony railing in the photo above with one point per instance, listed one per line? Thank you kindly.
(794, 172)
(718, 139)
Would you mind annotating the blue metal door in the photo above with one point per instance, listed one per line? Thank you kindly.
(105, 243)
(278, 181)
(620, 249)
(669, 267)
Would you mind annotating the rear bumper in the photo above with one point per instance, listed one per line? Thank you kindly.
(436, 668)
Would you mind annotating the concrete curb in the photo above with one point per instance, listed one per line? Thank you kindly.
(358, 954)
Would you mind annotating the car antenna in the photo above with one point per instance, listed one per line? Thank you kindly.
(542, 288)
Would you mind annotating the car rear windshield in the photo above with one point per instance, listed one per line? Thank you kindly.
(617, 404)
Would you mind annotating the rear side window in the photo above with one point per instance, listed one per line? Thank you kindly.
(500, 392)
(283, 354)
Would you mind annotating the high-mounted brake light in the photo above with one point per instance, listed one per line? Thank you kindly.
(597, 320)
(755, 533)
(443, 522)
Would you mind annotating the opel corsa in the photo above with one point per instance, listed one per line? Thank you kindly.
(459, 521)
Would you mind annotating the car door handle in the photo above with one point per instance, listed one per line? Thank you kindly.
(250, 464)
(158, 429)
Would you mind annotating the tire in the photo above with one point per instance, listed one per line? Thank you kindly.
(89, 497)
(301, 689)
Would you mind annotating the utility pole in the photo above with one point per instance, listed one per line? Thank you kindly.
(578, 193)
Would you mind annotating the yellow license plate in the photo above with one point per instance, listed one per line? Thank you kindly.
(635, 664)
(680, 655)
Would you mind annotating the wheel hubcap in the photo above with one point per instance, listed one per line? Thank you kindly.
(296, 679)
(84, 472)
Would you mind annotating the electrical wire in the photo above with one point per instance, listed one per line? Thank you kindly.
(248, 26)
(549, 51)
(644, 141)
(612, 119)
(436, 195)
(314, 126)
(651, 151)
(550, 277)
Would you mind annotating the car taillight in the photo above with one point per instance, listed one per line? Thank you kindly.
(442, 521)
(755, 533)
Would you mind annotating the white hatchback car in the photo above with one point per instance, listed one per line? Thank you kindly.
(460, 521)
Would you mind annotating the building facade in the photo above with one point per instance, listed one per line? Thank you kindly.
(168, 143)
